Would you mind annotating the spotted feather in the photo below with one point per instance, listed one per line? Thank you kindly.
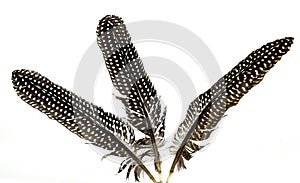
(207, 109)
(144, 108)
(81, 117)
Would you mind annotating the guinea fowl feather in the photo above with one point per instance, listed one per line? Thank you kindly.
(79, 116)
(144, 108)
(145, 111)
(207, 109)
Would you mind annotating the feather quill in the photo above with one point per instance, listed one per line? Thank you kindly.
(144, 108)
(207, 109)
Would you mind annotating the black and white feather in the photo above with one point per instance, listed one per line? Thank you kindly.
(144, 108)
(207, 109)
(81, 117)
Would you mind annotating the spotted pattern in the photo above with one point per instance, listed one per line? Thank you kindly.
(143, 106)
(81, 117)
(207, 109)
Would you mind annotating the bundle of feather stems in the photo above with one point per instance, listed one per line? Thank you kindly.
(145, 111)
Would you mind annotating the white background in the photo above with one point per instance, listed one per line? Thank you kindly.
(259, 140)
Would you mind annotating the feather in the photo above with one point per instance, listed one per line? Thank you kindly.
(144, 108)
(79, 116)
(207, 109)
